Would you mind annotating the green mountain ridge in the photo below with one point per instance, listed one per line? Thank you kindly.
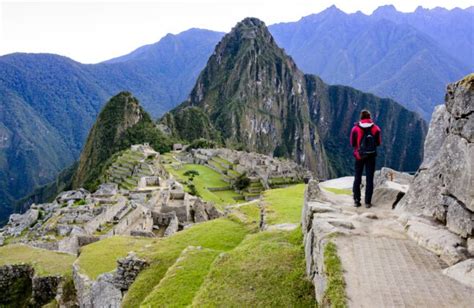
(252, 95)
(121, 123)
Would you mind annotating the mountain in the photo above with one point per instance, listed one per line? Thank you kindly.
(48, 103)
(378, 55)
(252, 95)
(121, 123)
(453, 30)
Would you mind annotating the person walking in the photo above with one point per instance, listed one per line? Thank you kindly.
(365, 138)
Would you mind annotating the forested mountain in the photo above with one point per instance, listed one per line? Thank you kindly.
(252, 95)
(408, 62)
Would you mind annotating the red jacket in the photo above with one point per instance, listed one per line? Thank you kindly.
(357, 133)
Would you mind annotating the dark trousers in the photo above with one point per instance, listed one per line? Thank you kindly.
(369, 164)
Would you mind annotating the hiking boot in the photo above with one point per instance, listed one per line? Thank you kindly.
(357, 203)
(368, 205)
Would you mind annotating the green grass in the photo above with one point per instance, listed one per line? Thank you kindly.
(183, 279)
(283, 205)
(45, 262)
(101, 257)
(207, 178)
(335, 294)
(265, 270)
(339, 191)
(220, 235)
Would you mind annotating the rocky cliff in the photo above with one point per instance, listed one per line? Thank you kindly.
(252, 95)
(443, 188)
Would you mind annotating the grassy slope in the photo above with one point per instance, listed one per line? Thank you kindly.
(207, 178)
(183, 279)
(284, 204)
(101, 257)
(220, 235)
(45, 262)
(266, 270)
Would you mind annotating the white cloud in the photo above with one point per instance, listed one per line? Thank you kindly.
(90, 31)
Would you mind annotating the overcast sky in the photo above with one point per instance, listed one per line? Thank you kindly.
(91, 31)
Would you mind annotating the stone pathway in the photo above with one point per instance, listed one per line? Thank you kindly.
(384, 268)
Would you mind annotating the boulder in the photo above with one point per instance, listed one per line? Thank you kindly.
(462, 272)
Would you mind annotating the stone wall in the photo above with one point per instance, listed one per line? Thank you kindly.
(19, 287)
(320, 222)
(108, 289)
(443, 188)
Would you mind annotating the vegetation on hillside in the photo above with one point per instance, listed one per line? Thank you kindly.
(121, 123)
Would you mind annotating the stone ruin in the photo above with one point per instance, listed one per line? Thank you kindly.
(157, 206)
(257, 165)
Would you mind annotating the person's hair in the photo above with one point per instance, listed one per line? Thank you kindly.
(364, 114)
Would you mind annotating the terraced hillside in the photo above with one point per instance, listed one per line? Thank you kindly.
(127, 169)
(231, 253)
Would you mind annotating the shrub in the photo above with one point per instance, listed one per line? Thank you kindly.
(242, 182)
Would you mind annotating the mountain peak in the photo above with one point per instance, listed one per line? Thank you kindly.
(385, 10)
(249, 28)
(331, 11)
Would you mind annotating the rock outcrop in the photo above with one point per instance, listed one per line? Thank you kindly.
(443, 188)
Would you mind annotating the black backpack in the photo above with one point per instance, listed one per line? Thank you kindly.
(367, 146)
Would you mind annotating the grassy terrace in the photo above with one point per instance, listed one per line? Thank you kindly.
(219, 235)
(207, 178)
(284, 204)
(101, 257)
(45, 262)
(266, 270)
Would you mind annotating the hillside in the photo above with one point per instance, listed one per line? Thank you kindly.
(50, 103)
(252, 95)
(397, 57)
(121, 123)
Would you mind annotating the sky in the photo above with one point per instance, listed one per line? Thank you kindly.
(94, 31)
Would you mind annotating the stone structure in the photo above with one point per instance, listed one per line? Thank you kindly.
(107, 290)
(382, 254)
(77, 217)
(19, 286)
(262, 166)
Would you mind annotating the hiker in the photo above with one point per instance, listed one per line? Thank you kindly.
(365, 138)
